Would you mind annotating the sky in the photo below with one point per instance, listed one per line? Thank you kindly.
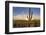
(22, 12)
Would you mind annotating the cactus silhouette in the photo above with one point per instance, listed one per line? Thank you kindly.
(30, 15)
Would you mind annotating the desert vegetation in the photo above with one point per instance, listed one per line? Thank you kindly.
(25, 23)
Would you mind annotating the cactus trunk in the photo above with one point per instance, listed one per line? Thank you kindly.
(30, 15)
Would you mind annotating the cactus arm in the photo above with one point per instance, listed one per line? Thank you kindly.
(27, 16)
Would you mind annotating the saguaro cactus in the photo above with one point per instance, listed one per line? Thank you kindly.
(30, 15)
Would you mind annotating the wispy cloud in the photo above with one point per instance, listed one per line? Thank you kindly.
(24, 17)
(19, 17)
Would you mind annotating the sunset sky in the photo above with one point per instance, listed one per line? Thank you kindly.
(21, 13)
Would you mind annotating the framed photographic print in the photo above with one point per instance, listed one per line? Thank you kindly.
(24, 17)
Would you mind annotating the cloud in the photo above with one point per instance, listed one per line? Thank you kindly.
(24, 17)
(35, 17)
(19, 17)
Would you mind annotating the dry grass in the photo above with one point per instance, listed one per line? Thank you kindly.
(24, 23)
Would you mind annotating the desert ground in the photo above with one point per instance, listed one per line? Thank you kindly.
(25, 23)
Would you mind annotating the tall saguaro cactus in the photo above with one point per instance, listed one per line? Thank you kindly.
(30, 15)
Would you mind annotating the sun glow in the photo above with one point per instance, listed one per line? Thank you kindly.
(26, 18)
